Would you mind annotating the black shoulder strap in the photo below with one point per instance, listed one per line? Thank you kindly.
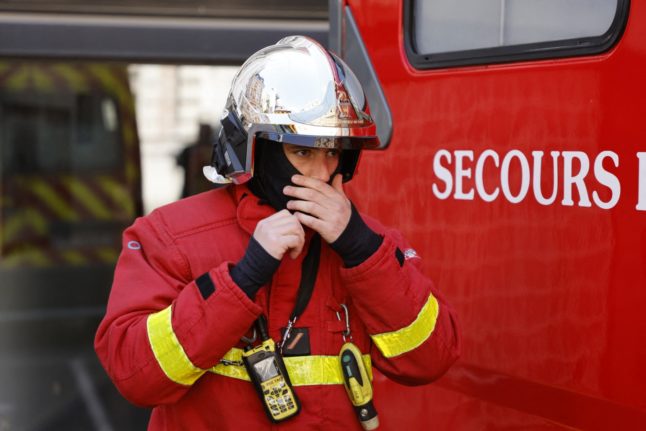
(309, 270)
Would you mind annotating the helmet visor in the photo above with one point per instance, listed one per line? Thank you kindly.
(344, 143)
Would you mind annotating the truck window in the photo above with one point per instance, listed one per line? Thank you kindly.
(444, 32)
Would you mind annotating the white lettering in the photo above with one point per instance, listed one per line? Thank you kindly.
(607, 179)
(504, 176)
(487, 197)
(569, 179)
(460, 173)
(536, 181)
(443, 174)
(510, 175)
(641, 203)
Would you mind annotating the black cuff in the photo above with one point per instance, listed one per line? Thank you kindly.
(357, 242)
(254, 269)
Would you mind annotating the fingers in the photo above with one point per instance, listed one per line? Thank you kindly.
(296, 250)
(312, 201)
(308, 207)
(295, 244)
(312, 189)
(320, 206)
(337, 183)
(314, 184)
(304, 193)
(281, 222)
(279, 233)
(309, 221)
(280, 215)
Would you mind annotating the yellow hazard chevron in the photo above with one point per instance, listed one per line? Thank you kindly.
(74, 257)
(68, 198)
(31, 257)
(17, 81)
(119, 193)
(107, 255)
(26, 219)
(62, 208)
(41, 80)
(35, 257)
(86, 198)
(71, 76)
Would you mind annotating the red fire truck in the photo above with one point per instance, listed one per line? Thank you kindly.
(516, 163)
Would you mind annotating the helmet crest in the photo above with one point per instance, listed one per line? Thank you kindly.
(292, 92)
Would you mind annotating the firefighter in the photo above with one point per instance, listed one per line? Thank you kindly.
(278, 265)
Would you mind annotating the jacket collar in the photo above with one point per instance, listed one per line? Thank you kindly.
(249, 209)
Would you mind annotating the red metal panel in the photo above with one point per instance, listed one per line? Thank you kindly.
(550, 297)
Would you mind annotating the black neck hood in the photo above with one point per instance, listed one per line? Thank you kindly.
(272, 172)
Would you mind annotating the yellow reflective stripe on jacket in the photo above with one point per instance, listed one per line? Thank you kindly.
(302, 370)
(168, 351)
(406, 339)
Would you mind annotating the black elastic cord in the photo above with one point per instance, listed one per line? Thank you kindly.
(357, 242)
(255, 269)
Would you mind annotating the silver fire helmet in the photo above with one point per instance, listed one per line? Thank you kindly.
(292, 92)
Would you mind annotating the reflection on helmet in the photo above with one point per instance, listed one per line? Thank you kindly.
(293, 92)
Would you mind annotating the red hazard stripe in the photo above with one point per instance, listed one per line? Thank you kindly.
(116, 208)
(23, 197)
(64, 192)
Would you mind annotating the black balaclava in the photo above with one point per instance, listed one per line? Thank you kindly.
(272, 172)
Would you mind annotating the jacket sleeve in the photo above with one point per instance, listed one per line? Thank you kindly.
(414, 331)
(162, 330)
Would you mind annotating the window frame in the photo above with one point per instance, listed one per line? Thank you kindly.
(573, 47)
(144, 39)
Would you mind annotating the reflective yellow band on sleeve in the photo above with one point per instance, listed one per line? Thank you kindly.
(396, 343)
(302, 370)
(169, 353)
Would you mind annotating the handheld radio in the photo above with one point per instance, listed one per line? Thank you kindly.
(270, 379)
(357, 385)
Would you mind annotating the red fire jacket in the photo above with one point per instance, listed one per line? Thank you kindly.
(174, 314)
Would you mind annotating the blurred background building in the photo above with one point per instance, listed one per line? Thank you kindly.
(107, 111)
(171, 103)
